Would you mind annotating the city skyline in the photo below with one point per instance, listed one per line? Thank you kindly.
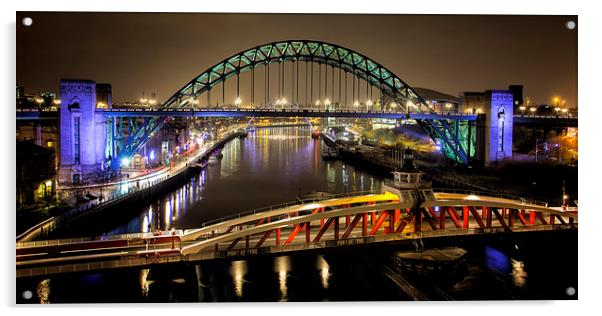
(521, 52)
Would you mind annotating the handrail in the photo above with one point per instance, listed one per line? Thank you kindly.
(490, 194)
(35, 227)
(282, 205)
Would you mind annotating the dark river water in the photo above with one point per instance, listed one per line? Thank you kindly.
(271, 166)
(268, 167)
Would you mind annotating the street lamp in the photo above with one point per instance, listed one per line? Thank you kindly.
(356, 103)
(532, 110)
(393, 105)
(522, 109)
(557, 109)
(238, 101)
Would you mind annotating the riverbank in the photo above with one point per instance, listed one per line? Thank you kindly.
(115, 209)
(542, 182)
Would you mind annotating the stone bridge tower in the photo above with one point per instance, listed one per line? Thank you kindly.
(499, 107)
(83, 133)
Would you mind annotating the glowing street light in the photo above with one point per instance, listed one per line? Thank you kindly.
(56, 101)
(284, 102)
(393, 105)
(532, 109)
(125, 162)
(356, 103)
(143, 100)
(327, 102)
(557, 109)
(318, 102)
(369, 103)
(238, 101)
(152, 101)
(522, 109)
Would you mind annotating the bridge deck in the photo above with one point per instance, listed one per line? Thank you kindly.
(329, 223)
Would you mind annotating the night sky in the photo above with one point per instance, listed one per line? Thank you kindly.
(160, 53)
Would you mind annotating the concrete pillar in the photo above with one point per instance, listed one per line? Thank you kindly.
(78, 134)
(499, 109)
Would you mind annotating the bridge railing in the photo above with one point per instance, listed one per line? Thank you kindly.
(285, 205)
(490, 194)
(275, 110)
(564, 116)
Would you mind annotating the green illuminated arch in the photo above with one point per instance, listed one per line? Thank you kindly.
(302, 50)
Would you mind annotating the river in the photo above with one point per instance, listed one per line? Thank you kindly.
(269, 167)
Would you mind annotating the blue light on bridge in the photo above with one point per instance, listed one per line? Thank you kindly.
(125, 162)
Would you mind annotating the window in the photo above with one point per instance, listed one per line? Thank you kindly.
(500, 129)
(76, 139)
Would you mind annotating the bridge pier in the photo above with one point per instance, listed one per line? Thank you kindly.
(83, 132)
(495, 144)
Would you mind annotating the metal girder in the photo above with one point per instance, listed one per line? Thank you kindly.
(334, 55)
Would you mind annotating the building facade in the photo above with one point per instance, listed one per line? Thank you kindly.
(83, 132)
(35, 174)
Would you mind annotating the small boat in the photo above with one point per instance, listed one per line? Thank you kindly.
(212, 160)
(314, 196)
(431, 261)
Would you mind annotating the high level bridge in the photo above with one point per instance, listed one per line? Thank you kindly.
(287, 78)
(346, 220)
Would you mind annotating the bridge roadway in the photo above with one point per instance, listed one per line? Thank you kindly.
(519, 119)
(342, 221)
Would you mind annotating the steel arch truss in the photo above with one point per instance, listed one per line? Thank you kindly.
(310, 51)
(302, 50)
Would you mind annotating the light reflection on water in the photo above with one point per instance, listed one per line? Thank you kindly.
(238, 270)
(282, 266)
(519, 275)
(144, 284)
(284, 161)
(324, 269)
(497, 260)
(43, 291)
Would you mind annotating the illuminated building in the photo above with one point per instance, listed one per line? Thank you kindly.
(35, 174)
